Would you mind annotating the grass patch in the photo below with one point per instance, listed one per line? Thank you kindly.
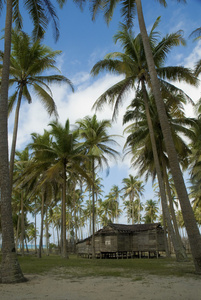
(76, 267)
(138, 278)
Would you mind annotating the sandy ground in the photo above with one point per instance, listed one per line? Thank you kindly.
(143, 287)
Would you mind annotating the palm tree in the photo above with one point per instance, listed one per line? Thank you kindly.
(128, 11)
(96, 143)
(116, 195)
(28, 62)
(10, 269)
(41, 12)
(34, 179)
(151, 210)
(132, 63)
(139, 143)
(64, 156)
(133, 188)
(21, 159)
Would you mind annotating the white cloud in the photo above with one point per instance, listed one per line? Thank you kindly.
(194, 56)
(72, 106)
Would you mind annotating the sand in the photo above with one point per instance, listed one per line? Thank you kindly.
(144, 287)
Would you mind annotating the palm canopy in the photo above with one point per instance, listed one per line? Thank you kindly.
(29, 61)
(97, 141)
(138, 142)
(132, 64)
(41, 12)
(133, 187)
(63, 153)
(151, 210)
(128, 9)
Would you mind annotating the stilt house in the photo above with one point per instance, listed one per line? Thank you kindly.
(124, 241)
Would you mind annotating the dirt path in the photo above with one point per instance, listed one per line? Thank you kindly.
(55, 287)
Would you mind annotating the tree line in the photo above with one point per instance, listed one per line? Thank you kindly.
(155, 136)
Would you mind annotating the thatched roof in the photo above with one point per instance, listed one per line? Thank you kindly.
(124, 228)
(129, 228)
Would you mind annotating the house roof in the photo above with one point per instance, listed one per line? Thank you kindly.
(124, 228)
(130, 228)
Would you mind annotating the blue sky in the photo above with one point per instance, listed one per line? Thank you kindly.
(83, 43)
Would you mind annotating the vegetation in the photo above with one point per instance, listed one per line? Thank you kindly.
(128, 268)
(57, 174)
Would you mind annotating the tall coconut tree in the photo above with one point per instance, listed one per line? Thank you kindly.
(151, 211)
(21, 159)
(116, 192)
(133, 64)
(41, 12)
(29, 62)
(97, 143)
(34, 179)
(133, 188)
(64, 155)
(140, 144)
(10, 269)
(128, 10)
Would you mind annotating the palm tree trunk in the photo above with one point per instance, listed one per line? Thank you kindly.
(17, 232)
(167, 252)
(35, 238)
(10, 268)
(22, 223)
(178, 251)
(189, 219)
(93, 210)
(64, 249)
(172, 210)
(139, 210)
(14, 141)
(61, 235)
(47, 233)
(41, 228)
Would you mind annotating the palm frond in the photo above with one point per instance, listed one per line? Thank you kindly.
(196, 33)
(46, 99)
(11, 102)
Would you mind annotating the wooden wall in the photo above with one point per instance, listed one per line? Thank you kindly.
(142, 241)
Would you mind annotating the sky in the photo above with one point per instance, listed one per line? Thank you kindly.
(83, 43)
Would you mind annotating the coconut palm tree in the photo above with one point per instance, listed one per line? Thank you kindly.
(133, 188)
(10, 269)
(132, 63)
(151, 211)
(41, 12)
(28, 63)
(34, 179)
(64, 156)
(116, 192)
(97, 145)
(128, 11)
(140, 145)
(21, 159)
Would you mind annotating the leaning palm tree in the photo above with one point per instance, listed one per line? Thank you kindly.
(139, 143)
(97, 146)
(133, 64)
(128, 11)
(28, 63)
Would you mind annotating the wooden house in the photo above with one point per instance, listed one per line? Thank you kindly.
(124, 241)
